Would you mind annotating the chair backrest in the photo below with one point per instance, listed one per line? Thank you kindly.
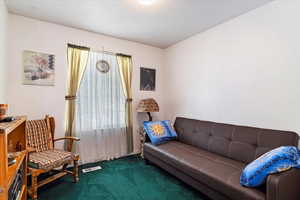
(40, 134)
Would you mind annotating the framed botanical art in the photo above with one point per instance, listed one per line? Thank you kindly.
(38, 68)
(148, 79)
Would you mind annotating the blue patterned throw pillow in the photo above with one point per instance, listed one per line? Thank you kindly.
(278, 160)
(171, 131)
(159, 131)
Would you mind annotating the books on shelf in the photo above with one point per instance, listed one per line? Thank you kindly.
(16, 187)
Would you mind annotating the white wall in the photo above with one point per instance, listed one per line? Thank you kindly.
(37, 101)
(3, 50)
(245, 71)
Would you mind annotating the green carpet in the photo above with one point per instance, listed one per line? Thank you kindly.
(123, 179)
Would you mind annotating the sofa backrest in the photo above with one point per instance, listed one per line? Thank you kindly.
(236, 142)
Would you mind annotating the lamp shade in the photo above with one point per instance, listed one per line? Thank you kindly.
(148, 105)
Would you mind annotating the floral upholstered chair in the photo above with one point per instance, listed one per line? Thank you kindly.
(43, 157)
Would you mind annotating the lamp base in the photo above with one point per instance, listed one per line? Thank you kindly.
(150, 117)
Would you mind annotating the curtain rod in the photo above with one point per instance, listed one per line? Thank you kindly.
(77, 46)
(94, 50)
(105, 52)
(110, 53)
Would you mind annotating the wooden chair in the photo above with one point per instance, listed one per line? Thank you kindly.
(43, 157)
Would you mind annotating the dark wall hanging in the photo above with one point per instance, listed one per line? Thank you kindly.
(148, 78)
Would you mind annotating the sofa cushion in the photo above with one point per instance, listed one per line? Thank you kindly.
(212, 169)
(240, 143)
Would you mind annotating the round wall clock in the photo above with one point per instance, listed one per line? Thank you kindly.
(103, 66)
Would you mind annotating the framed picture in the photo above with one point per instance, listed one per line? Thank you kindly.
(38, 68)
(148, 78)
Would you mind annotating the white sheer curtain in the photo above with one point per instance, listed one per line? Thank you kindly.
(100, 114)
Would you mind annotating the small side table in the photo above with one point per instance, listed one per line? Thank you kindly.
(142, 140)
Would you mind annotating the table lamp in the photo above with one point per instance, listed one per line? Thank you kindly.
(148, 106)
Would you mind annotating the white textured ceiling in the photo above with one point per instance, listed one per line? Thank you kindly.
(162, 24)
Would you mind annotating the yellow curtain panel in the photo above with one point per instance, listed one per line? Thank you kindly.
(77, 61)
(125, 69)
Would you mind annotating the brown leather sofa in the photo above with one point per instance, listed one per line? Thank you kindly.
(210, 157)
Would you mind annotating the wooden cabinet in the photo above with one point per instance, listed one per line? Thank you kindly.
(13, 139)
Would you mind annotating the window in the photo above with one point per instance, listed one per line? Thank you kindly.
(100, 100)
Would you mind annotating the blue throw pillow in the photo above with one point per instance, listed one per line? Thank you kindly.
(278, 160)
(172, 132)
(159, 131)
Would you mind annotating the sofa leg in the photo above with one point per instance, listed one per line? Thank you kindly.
(147, 162)
(75, 171)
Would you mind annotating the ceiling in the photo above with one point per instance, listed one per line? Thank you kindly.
(161, 24)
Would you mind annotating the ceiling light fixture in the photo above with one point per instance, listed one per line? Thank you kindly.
(146, 2)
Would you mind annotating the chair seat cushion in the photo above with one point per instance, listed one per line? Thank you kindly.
(50, 159)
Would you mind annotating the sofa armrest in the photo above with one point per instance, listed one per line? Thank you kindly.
(284, 185)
